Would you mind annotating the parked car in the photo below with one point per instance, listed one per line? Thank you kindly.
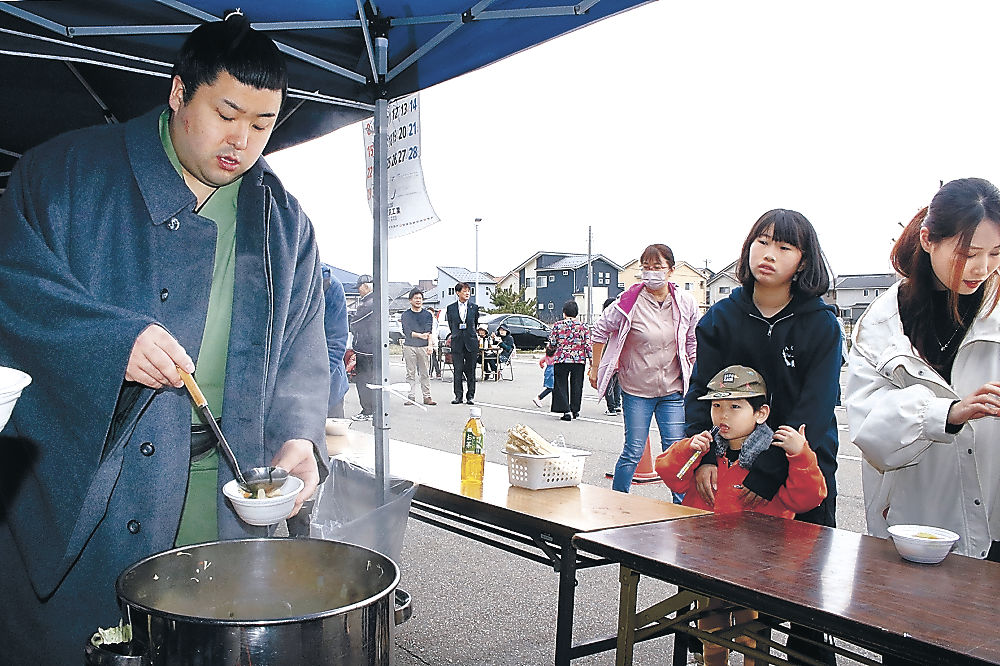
(528, 332)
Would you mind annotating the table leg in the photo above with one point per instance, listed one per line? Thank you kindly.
(626, 616)
(564, 611)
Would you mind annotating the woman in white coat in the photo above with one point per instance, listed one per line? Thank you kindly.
(923, 387)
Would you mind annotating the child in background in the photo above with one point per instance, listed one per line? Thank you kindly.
(506, 343)
(739, 414)
(548, 379)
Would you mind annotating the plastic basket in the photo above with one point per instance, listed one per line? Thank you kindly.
(537, 472)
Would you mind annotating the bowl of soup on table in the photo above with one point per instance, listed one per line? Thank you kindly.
(922, 543)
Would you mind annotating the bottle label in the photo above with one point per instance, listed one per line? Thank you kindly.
(472, 443)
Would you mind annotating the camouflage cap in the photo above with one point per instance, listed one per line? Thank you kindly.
(735, 382)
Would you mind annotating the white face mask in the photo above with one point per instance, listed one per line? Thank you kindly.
(655, 280)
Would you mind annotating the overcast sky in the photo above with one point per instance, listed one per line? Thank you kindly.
(681, 123)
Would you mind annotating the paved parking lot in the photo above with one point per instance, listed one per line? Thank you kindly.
(474, 604)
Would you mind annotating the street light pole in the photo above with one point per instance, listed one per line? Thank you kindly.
(476, 290)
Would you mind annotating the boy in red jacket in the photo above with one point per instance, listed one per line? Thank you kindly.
(739, 414)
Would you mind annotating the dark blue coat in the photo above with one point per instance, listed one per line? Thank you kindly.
(335, 320)
(98, 241)
(799, 358)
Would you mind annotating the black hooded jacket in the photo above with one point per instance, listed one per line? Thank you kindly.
(798, 352)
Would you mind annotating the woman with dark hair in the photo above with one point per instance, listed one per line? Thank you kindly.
(925, 369)
(571, 341)
(777, 324)
(646, 341)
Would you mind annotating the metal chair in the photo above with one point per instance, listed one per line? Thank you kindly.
(506, 366)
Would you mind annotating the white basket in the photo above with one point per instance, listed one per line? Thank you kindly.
(536, 472)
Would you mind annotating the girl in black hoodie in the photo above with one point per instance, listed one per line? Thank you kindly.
(778, 324)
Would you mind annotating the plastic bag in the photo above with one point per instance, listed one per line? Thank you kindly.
(347, 510)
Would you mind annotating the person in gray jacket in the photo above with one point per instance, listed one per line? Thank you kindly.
(119, 251)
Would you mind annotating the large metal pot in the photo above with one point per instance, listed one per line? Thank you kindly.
(263, 601)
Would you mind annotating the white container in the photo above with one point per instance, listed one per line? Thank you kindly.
(922, 543)
(268, 510)
(537, 472)
(337, 426)
(12, 382)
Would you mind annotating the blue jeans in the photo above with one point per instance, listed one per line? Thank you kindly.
(638, 413)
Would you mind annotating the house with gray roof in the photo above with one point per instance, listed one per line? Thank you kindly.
(565, 279)
(449, 276)
(852, 294)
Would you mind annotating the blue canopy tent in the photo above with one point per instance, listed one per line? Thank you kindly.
(77, 63)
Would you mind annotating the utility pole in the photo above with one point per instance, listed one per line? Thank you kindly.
(590, 277)
(476, 290)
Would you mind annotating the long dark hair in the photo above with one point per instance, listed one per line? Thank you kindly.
(956, 210)
(793, 228)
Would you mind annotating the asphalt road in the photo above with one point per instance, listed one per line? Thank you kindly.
(475, 604)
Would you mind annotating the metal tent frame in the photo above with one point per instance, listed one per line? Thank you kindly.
(81, 63)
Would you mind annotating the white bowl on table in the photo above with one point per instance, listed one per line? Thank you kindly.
(267, 510)
(12, 382)
(922, 543)
(337, 426)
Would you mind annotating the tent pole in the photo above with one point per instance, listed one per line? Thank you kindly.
(380, 198)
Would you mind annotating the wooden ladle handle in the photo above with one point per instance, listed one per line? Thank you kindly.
(192, 387)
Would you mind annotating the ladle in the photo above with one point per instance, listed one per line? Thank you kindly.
(258, 478)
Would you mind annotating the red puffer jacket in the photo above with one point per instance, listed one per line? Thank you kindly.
(804, 489)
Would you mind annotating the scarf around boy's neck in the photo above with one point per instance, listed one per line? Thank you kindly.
(756, 443)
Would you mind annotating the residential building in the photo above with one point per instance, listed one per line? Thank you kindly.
(852, 294)
(566, 279)
(721, 284)
(449, 276)
(685, 276)
(525, 275)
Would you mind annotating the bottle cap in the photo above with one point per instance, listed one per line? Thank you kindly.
(475, 412)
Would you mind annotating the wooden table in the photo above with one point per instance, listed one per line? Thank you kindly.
(847, 584)
(535, 524)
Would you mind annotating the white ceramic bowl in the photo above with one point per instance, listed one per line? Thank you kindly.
(266, 511)
(12, 382)
(922, 543)
(337, 426)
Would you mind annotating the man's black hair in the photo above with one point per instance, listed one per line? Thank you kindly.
(233, 46)
(570, 309)
(415, 291)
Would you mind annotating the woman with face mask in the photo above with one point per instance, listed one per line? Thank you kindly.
(647, 339)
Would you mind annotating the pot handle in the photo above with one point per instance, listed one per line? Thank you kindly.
(404, 606)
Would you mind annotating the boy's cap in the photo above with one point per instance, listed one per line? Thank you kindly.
(735, 382)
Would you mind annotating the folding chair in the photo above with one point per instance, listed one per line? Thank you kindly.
(506, 366)
(444, 356)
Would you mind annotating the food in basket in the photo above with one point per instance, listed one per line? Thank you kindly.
(522, 439)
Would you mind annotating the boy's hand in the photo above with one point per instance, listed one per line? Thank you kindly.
(701, 442)
(791, 440)
(706, 482)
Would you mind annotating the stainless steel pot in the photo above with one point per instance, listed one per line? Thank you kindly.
(263, 601)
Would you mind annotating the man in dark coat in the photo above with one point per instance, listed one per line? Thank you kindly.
(463, 317)
(363, 330)
(119, 247)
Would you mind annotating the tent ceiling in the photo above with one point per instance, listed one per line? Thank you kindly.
(77, 63)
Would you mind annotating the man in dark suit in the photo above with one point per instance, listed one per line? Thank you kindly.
(463, 317)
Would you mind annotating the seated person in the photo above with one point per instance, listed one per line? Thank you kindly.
(740, 435)
(505, 341)
(488, 349)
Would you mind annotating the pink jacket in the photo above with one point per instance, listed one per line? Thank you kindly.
(614, 324)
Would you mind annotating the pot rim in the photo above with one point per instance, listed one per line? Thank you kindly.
(129, 604)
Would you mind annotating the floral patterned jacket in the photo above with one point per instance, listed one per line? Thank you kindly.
(572, 341)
